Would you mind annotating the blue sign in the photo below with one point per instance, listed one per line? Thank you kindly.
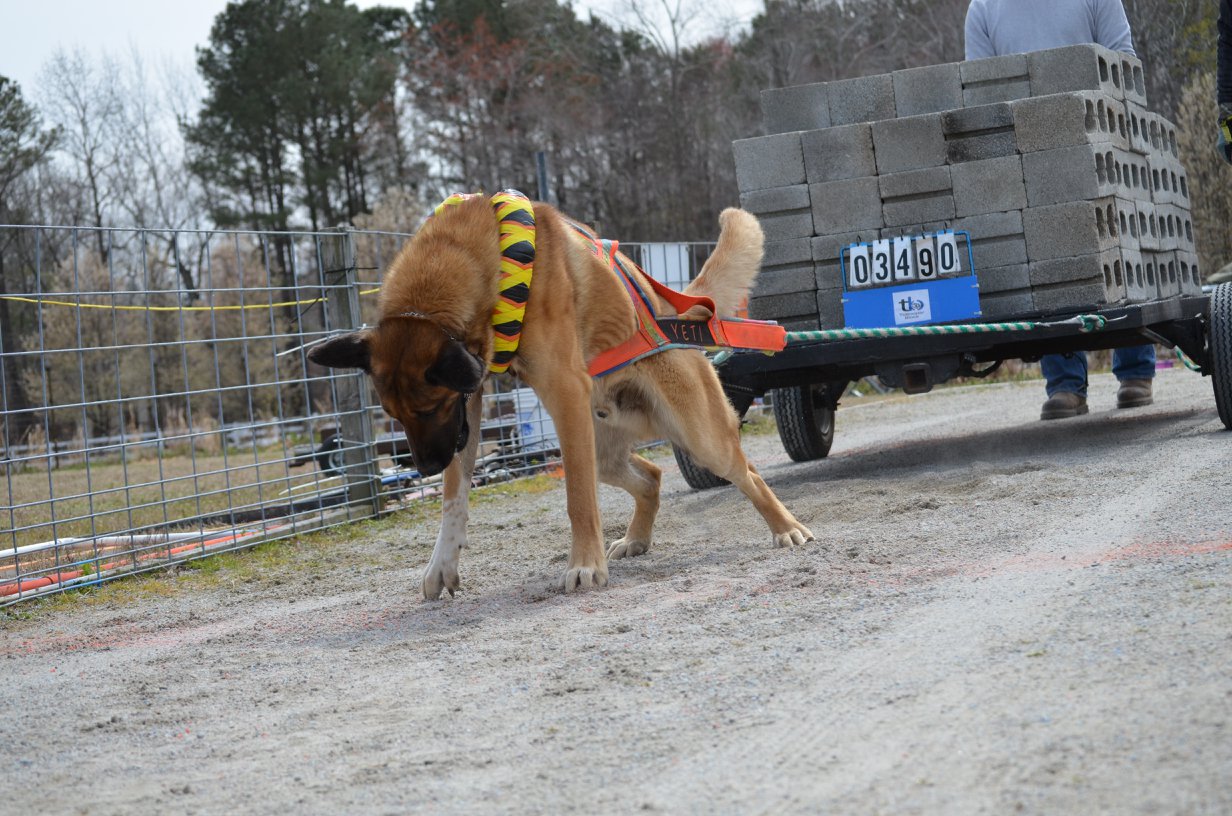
(930, 284)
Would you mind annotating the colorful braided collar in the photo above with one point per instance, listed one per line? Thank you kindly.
(516, 220)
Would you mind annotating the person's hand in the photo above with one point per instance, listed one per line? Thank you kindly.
(1224, 143)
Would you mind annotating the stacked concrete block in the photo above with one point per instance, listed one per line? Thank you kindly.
(1070, 187)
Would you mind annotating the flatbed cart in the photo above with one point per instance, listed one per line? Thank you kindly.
(807, 379)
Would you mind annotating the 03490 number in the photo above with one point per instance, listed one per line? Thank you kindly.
(902, 260)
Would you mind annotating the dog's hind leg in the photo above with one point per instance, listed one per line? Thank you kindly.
(442, 571)
(640, 479)
(710, 431)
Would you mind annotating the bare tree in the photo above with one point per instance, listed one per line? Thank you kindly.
(84, 102)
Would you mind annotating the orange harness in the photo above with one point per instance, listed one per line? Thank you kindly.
(656, 334)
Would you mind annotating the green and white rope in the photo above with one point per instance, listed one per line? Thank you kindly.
(1085, 323)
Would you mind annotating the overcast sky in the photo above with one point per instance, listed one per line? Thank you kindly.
(31, 30)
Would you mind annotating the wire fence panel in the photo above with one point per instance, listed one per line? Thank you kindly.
(158, 404)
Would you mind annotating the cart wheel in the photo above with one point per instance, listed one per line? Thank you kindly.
(329, 456)
(1220, 341)
(805, 417)
(697, 476)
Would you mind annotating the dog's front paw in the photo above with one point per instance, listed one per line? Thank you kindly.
(794, 537)
(627, 548)
(438, 578)
(583, 577)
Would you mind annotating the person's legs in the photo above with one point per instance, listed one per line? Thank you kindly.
(1065, 380)
(1135, 368)
(1065, 372)
(1134, 363)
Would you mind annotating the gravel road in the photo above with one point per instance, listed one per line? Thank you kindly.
(1000, 615)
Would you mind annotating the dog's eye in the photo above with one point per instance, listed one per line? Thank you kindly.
(430, 412)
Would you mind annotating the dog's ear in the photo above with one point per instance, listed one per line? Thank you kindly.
(347, 351)
(456, 369)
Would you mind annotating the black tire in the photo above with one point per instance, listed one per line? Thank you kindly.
(697, 476)
(805, 416)
(1220, 341)
(330, 456)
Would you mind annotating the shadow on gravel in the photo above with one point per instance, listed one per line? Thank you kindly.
(1091, 436)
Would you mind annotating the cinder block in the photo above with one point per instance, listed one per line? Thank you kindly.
(780, 253)
(1171, 185)
(1140, 120)
(1148, 226)
(988, 186)
(1168, 181)
(1073, 297)
(909, 230)
(829, 247)
(999, 79)
(786, 279)
(800, 107)
(912, 143)
(1003, 278)
(1076, 228)
(1171, 271)
(1189, 275)
(1074, 279)
(1075, 68)
(846, 205)
(1154, 267)
(838, 153)
(863, 99)
(801, 323)
(786, 266)
(996, 239)
(983, 132)
(1141, 275)
(917, 196)
(1127, 223)
(1133, 79)
(1171, 227)
(1185, 242)
(1167, 137)
(930, 89)
(1003, 305)
(830, 309)
(792, 306)
(1162, 134)
(776, 199)
(1161, 175)
(769, 161)
(784, 212)
(1135, 175)
(1069, 120)
(1071, 174)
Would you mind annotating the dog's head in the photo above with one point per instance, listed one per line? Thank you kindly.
(423, 376)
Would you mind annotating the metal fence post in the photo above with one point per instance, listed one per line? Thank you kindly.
(355, 420)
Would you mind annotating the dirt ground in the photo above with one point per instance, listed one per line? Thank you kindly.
(999, 615)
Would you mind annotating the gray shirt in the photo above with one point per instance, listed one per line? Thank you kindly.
(997, 27)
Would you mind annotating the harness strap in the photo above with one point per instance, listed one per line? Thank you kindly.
(655, 334)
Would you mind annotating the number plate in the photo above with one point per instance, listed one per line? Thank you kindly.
(910, 280)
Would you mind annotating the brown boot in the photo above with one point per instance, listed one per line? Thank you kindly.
(1064, 404)
(1134, 394)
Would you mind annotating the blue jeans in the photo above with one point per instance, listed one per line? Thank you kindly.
(1068, 372)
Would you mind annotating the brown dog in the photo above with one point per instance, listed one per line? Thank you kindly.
(434, 342)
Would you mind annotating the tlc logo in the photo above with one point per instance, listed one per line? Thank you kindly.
(913, 306)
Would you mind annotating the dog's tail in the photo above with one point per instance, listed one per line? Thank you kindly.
(728, 274)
